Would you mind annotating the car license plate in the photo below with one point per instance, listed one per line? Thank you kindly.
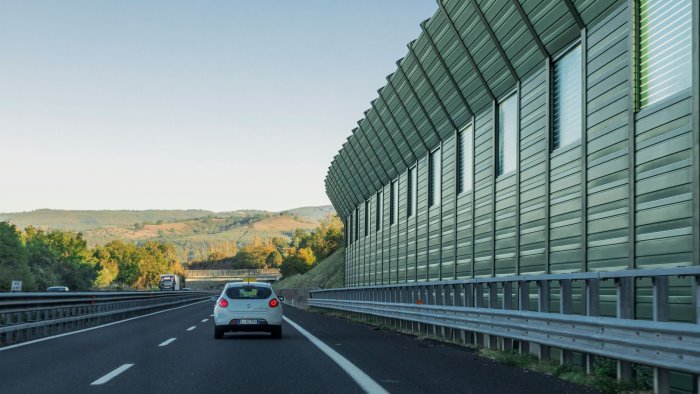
(247, 321)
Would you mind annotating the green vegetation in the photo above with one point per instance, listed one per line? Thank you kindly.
(296, 256)
(603, 378)
(43, 258)
(195, 234)
(13, 258)
(47, 258)
(326, 274)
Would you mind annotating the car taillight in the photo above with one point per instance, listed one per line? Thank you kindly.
(223, 303)
(274, 303)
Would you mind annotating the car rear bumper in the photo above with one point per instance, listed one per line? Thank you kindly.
(224, 318)
(247, 327)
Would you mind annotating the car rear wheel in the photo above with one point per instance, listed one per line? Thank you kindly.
(276, 332)
(218, 332)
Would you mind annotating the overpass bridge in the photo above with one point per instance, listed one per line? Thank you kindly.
(213, 279)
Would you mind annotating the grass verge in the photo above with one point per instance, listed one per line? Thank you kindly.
(603, 377)
(325, 275)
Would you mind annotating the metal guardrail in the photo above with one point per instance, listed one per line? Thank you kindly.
(230, 273)
(499, 308)
(26, 316)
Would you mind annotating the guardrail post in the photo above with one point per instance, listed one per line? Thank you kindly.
(459, 295)
(493, 304)
(507, 304)
(543, 306)
(397, 295)
(591, 307)
(469, 295)
(479, 303)
(429, 300)
(660, 313)
(402, 293)
(469, 303)
(524, 305)
(696, 307)
(507, 295)
(566, 308)
(696, 301)
(625, 310)
(443, 294)
(420, 298)
(479, 295)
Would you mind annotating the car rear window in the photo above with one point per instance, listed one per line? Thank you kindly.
(248, 293)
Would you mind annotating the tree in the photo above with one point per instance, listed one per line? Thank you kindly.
(13, 259)
(114, 258)
(274, 259)
(155, 259)
(60, 257)
(298, 261)
(306, 255)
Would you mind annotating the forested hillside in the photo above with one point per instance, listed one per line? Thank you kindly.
(42, 258)
(195, 234)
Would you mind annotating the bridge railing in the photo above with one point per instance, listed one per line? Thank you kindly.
(27, 316)
(231, 273)
(513, 312)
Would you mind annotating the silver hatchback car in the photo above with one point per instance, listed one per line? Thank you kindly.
(248, 306)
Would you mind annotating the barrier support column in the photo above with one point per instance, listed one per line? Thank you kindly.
(591, 308)
(524, 305)
(479, 303)
(660, 311)
(507, 304)
(493, 304)
(565, 308)
(625, 310)
(543, 306)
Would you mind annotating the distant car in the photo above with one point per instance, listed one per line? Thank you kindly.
(248, 306)
(57, 288)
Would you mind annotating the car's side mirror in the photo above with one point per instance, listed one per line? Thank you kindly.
(281, 298)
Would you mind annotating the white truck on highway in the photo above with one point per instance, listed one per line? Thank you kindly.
(171, 282)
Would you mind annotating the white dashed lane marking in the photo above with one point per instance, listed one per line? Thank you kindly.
(111, 375)
(168, 342)
(205, 320)
(191, 328)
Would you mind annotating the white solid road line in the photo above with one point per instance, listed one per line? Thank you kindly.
(211, 315)
(168, 342)
(361, 378)
(191, 328)
(111, 375)
(205, 320)
(96, 327)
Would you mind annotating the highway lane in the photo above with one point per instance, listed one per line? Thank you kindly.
(164, 353)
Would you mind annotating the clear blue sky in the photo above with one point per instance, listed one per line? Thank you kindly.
(167, 104)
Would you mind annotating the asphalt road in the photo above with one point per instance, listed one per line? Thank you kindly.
(128, 358)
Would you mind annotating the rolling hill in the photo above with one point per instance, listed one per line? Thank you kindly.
(195, 233)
